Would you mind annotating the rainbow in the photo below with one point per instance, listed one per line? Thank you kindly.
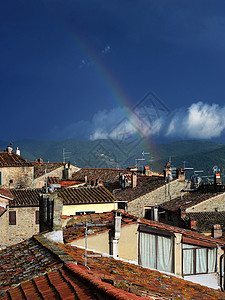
(106, 76)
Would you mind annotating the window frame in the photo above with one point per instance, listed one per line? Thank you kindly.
(194, 248)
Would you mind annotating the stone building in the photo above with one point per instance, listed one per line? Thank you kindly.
(15, 171)
(198, 209)
(21, 213)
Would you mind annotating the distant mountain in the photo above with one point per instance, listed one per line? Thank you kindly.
(201, 155)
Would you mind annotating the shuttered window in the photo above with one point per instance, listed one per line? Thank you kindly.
(12, 218)
(0, 178)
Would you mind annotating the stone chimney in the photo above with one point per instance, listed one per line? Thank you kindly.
(147, 171)
(180, 174)
(115, 234)
(67, 172)
(216, 231)
(40, 160)
(134, 179)
(51, 206)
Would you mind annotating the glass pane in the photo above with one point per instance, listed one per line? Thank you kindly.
(201, 260)
(188, 261)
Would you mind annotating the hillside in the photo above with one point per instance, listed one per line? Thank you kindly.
(200, 155)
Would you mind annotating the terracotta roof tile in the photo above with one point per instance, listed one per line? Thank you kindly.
(106, 175)
(106, 278)
(30, 197)
(6, 193)
(12, 160)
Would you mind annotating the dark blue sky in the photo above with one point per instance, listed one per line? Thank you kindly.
(67, 66)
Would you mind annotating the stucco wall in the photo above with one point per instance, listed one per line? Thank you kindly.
(156, 197)
(70, 210)
(21, 176)
(4, 224)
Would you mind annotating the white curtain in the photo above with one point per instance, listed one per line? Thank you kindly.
(188, 261)
(148, 250)
(165, 254)
(156, 251)
(212, 260)
(201, 260)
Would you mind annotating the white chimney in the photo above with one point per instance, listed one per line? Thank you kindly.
(17, 151)
(116, 236)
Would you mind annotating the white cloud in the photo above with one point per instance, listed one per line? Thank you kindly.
(200, 120)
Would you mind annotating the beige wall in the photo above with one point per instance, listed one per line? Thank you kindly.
(156, 197)
(128, 242)
(4, 224)
(212, 204)
(70, 210)
(19, 175)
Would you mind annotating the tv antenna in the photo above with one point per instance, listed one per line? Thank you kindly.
(65, 155)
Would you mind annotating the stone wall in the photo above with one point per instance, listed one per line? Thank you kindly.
(25, 226)
(165, 193)
(216, 203)
(13, 177)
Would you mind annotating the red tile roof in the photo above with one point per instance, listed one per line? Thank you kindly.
(40, 167)
(2, 210)
(6, 193)
(106, 175)
(12, 160)
(40, 269)
(188, 200)
(30, 197)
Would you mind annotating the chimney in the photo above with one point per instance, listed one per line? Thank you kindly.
(9, 149)
(216, 231)
(115, 234)
(67, 172)
(180, 174)
(17, 151)
(134, 180)
(217, 178)
(51, 206)
(167, 171)
(147, 171)
(40, 160)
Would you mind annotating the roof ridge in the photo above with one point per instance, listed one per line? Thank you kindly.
(53, 247)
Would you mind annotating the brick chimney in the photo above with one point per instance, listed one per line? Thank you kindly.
(216, 231)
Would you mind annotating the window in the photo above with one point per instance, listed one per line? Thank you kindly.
(37, 217)
(156, 251)
(198, 260)
(0, 178)
(12, 218)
